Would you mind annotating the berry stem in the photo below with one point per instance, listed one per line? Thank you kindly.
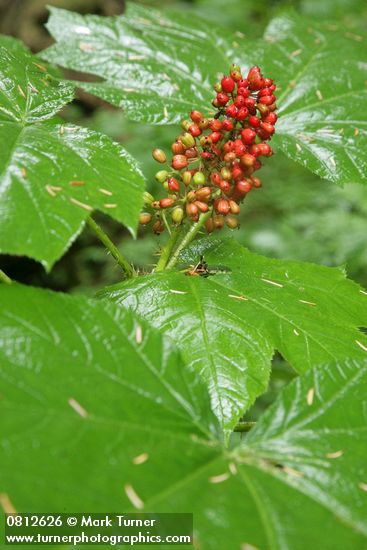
(190, 235)
(4, 278)
(104, 238)
(243, 426)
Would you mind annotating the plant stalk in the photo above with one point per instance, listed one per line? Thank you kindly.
(190, 235)
(4, 278)
(104, 238)
(166, 252)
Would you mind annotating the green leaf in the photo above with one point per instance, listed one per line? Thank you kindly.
(81, 398)
(322, 96)
(229, 324)
(161, 66)
(53, 175)
(157, 67)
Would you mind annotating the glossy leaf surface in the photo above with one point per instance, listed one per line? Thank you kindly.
(228, 325)
(87, 392)
(161, 66)
(53, 175)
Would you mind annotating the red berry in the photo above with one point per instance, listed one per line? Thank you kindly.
(265, 149)
(173, 185)
(237, 173)
(166, 203)
(268, 82)
(178, 148)
(264, 91)
(191, 153)
(227, 125)
(228, 146)
(231, 110)
(204, 193)
(244, 92)
(179, 162)
(271, 118)
(206, 155)
(239, 148)
(255, 150)
(267, 99)
(254, 121)
(257, 164)
(192, 211)
(256, 182)
(243, 83)
(215, 136)
(222, 206)
(248, 160)
(248, 136)
(202, 206)
(225, 186)
(240, 101)
(227, 84)
(222, 98)
(195, 130)
(242, 187)
(250, 102)
(268, 128)
(196, 116)
(215, 125)
(215, 177)
(242, 114)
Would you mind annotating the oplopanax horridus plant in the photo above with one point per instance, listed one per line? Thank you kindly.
(133, 399)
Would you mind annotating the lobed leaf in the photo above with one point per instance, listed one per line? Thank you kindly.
(86, 392)
(53, 175)
(160, 66)
(228, 325)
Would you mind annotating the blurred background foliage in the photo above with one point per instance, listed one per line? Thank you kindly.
(296, 215)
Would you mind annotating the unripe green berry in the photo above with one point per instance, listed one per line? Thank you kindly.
(186, 177)
(159, 155)
(177, 214)
(198, 179)
(218, 87)
(185, 125)
(188, 140)
(148, 198)
(161, 176)
(225, 173)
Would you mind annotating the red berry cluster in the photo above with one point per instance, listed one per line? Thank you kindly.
(214, 159)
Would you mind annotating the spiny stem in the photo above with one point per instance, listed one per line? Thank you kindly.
(104, 238)
(190, 235)
(244, 426)
(4, 278)
(166, 252)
